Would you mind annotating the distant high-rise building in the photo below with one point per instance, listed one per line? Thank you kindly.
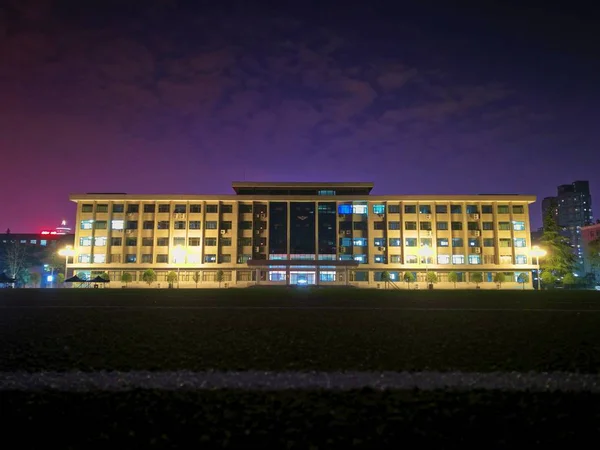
(572, 209)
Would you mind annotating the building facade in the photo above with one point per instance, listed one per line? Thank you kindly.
(572, 209)
(302, 233)
(588, 234)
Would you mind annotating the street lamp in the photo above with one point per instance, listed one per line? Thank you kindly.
(426, 251)
(538, 253)
(66, 252)
(179, 252)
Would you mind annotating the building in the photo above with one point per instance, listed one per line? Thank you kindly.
(588, 234)
(572, 209)
(302, 233)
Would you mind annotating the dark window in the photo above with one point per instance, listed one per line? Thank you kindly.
(457, 242)
(131, 242)
(472, 226)
(132, 209)
(457, 226)
(149, 208)
(517, 209)
(164, 208)
(210, 241)
(225, 242)
(212, 208)
(226, 208)
(379, 225)
(194, 242)
(180, 209)
(162, 225)
(87, 208)
(132, 225)
(360, 226)
(442, 225)
(225, 258)
(503, 209)
(394, 225)
(410, 209)
(327, 228)
(425, 226)
(118, 208)
(225, 225)
(488, 225)
(246, 225)
(504, 226)
(211, 225)
(179, 225)
(100, 225)
(441, 209)
(487, 209)
(148, 225)
(162, 242)
(147, 242)
(195, 208)
(147, 258)
(302, 228)
(116, 241)
(455, 209)
(195, 224)
(393, 209)
(245, 241)
(472, 209)
(245, 209)
(130, 258)
(102, 208)
(162, 258)
(488, 242)
(410, 225)
(442, 242)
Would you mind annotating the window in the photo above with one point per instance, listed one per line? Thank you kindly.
(102, 208)
(100, 241)
(130, 258)
(442, 242)
(520, 242)
(180, 209)
(85, 241)
(503, 209)
(131, 224)
(99, 258)
(162, 242)
(326, 192)
(455, 209)
(425, 226)
(487, 209)
(211, 225)
(131, 242)
(379, 242)
(360, 226)
(457, 242)
(179, 241)
(225, 258)
(488, 242)
(148, 225)
(162, 258)
(458, 259)
(474, 242)
(410, 209)
(87, 224)
(472, 226)
(194, 242)
(521, 259)
(246, 225)
(147, 242)
(179, 225)
(101, 225)
(245, 241)
(441, 209)
(195, 208)
(474, 259)
(226, 209)
(244, 209)
(116, 241)
(226, 225)
(210, 258)
(162, 225)
(505, 259)
(410, 225)
(132, 209)
(518, 209)
(518, 225)
(212, 208)
(118, 208)
(85, 258)
(164, 208)
(362, 259)
(225, 242)
(443, 259)
(358, 242)
(472, 209)
(379, 259)
(425, 242)
(87, 208)
(379, 225)
(360, 209)
(410, 259)
(147, 258)
(149, 208)
(395, 242)
(504, 226)
(411, 242)
(394, 209)
(505, 243)
(488, 225)
(442, 225)
(244, 259)
(378, 209)
(425, 209)
(456, 226)
(395, 259)
(194, 225)
(210, 241)
(43, 242)
(393, 225)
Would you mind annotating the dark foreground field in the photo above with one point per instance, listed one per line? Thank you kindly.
(299, 330)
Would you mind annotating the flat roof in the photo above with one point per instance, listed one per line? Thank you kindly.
(303, 187)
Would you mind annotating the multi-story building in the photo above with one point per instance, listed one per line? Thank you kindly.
(572, 209)
(588, 234)
(302, 233)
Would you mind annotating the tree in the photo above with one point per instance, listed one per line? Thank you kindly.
(593, 253)
(23, 277)
(559, 257)
(477, 277)
(408, 278)
(14, 258)
(499, 278)
(432, 277)
(196, 278)
(126, 278)
(171, 277)
(35, 279)
(219, 276)
(149, 276)
(568, 280)
(82, 275)
(105, 276)
(453, 278)
(54, 261)
(385, 277)
(548, 279)
(523, 279)
(60, 277)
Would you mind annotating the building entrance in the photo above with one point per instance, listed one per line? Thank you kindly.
(302, 278)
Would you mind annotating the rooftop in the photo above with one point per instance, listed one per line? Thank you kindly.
(301, 188)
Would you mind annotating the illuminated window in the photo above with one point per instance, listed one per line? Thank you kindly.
(443, 242)
(344, 209)
(411, 242)
(360, 209)
(395, 242)
(85, 258)
(425, 242)
(443, 259)
(99, 258)
(85, 241)
(505, 259)
(378, 209)
(131, 258)
(360, 258)
(521, 259)
(178, 241)
(518, 225)
(87, 224)
(194, 258)
(474, 259)
(325, 192)
(396, 259)
(43, 242)
(458, 259)
(473, 242)
(210, 258)
(100, 241)
(358, 242)
(425, 209)
(520, 242)
(379, 242)
(380, 259)
(411, 259)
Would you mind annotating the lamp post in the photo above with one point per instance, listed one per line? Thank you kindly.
(66, 252)
(538, 253)
(179, 253)
(426, 251)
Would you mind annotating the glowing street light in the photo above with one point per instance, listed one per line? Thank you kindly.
(426, 251)
(179, 252)
(538, 253)
(66, 252)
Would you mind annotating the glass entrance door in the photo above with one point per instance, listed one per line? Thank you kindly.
(302, 278)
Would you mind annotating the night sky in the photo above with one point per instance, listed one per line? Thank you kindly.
(173, 96)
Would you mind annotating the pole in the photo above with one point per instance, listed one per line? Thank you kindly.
(66, 262)
(177, 277)
(539, 283)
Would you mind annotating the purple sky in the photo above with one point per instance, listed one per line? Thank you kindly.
(173, 98)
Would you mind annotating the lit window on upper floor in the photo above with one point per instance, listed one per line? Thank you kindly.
(425, 209)
(521, 259)
(117, 224)
(33, 241)
(344, 209)
(380, 259)
(425, 242)
(395, 242)
(378, 209)
(379, 242)
(360, 209)
(85, 241)
(443, 259)
(410, 259)
(100, 241)
(520, 242)
(131, 258)
(87, 224)
(43, 242)
(473, 242)
(518, 225)
(474, 259)
(99, 258)
(443, 242)
(458, 259)
(396, 259)
(326, 192)
(360, 258)
(85, 258)
(359, 242)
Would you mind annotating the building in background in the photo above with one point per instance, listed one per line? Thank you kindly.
(572, 209)
(302, 233)
(590, 233)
